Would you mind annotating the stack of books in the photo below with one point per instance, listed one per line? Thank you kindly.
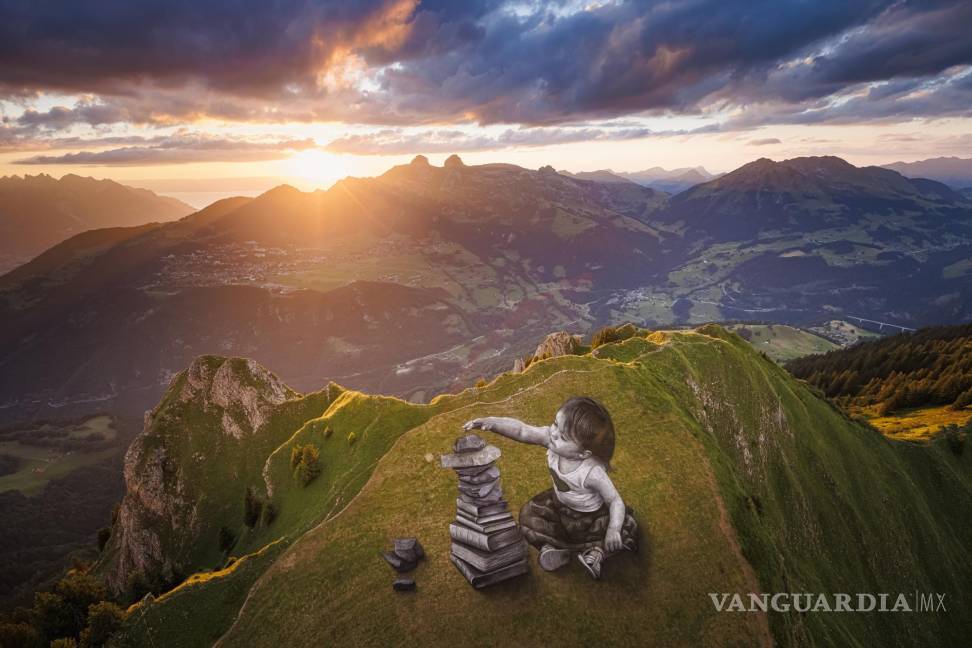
(487, 546)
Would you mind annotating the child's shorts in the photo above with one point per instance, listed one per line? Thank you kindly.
(545, 520)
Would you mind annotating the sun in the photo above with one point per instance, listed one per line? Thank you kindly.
(315, 169)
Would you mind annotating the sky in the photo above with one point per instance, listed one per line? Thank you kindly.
(200, 99)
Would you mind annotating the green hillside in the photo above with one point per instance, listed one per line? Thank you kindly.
(743, 479)
(781, 342)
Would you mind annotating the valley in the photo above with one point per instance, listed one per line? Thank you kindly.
(311, 281)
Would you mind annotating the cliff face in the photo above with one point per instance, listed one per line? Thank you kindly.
(187, 472)
(556, 344)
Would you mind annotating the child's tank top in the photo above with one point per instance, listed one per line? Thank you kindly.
(571, 488)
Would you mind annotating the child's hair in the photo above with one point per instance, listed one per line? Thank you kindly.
(587, 423)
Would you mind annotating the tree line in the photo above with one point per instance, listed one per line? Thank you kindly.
(928, 367)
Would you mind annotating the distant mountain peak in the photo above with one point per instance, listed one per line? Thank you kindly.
(454, 162)
(40, 211)
(953, 171)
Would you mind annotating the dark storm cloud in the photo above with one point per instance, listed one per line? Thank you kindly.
(903, 45)
(894, 101)
(489, 61)
(618, 58)
(250, 47)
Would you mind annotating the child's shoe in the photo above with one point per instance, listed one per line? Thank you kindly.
(591, 560)
(552, 558)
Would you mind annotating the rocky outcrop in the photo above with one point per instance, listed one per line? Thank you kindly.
(178, 468)
(556, 344)
(241, 390)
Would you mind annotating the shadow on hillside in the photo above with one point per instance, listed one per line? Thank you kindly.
(626, 570)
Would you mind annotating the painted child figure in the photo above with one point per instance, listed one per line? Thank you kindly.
(583, 513)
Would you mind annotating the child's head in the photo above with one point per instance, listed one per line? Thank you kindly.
(587, 423)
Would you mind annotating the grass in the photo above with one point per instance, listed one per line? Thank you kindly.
(406, 269)
(919, 424)
(198, 611)
(782, 343)
(742, 480)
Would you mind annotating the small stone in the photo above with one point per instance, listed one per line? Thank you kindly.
(487, 455)
(491, 497)
(478, 490)
(398, 563)
(469, 443)
(490, 474)
(404, 585)
(409, 549)
(473, 471)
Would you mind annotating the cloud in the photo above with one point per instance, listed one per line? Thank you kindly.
(84, 112)
(178, 149)
(397, 141)
(247, 47)
(764, 142)
(947, 95)
(402, 62)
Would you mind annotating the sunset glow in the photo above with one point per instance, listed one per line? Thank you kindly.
(353, 91)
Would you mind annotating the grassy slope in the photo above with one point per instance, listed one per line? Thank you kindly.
(198, 611)
(840, 509)
(782, 343)
(915, 424)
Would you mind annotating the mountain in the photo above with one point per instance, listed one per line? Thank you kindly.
(461, 264)
(411, 282)
(39, 211)
(603, 175)
(800, 238)
(747, 480)
(669, 180)
(804, 195)
(953, 171)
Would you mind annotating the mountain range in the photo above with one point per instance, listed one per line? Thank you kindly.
(39, 211)
(425, 278)
(671, 181)
(953, 171)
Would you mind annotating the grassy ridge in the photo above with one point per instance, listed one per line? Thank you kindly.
(741, 477)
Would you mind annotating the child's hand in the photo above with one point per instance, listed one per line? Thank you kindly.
(478, 424)
(612, 540)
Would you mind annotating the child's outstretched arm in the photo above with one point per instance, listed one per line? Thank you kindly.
(511, 428)
(599, 481)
